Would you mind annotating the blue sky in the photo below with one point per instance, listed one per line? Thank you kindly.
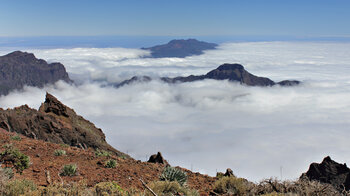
(311, 18)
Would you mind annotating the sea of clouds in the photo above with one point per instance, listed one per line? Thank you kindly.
(209, 125)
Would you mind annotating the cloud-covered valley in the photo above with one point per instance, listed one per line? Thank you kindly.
(212, 125)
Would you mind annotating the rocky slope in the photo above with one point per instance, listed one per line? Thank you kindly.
(180, 48)
(230, 72)
(91, 168)
(54, 122)
(18, 69)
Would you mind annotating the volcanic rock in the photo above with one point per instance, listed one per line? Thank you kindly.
(180, 48)
(157, 158)
(229, 172)
(230, 72)
(135, 79)
(18, 69)
(329, 172)
(56, 123)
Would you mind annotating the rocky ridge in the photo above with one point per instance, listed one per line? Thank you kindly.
(230, 72)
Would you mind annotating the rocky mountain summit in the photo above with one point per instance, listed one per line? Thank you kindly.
(54, 122)
(18, 69)
(230, 72)
(180, 48)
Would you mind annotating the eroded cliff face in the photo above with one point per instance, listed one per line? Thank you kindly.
(57, 123)
(18, 69)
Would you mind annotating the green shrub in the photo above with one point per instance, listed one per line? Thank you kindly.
(16, 137)
(170, 188)
(19, 160)
(111, 163)
(108, 188)
(64, 145)
(174, 174)
(102, 153)
(69, 170)
(59, 152)
(19, 187)
(231, 185)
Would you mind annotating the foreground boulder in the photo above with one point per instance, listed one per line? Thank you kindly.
(54, 122)
(18, 69)
(329, 172)
(157, 158)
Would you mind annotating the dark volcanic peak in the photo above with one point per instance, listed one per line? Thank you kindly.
(18, 69)
(56, 123)
(236, 72)
(329, 172)
(231, 72)
(180, 48)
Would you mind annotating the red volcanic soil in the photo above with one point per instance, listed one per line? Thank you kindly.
(91, 168)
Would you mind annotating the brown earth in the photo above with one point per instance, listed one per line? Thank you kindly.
(91, 168)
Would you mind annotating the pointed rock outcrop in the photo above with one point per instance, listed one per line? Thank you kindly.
(157, 158)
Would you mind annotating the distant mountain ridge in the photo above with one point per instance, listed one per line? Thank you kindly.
(180, 48)
(230, 72)
(18, 69)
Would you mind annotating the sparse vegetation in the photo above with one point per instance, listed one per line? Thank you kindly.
(174, 174)
(102, 153)
(16, 138)
(170, 188)
(13, 156)
(79, 188)
(64, 145)
(4, 177)
(19, 187)
(272, 187)
(111, 163)
(59, 152)
(108, 188)
(69, 170)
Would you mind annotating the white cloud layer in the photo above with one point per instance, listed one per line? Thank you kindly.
(212, 125)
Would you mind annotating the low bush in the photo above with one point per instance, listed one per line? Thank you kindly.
(111, 163)
(19, 187)
(231, 185)
(3, 181)
(59, 152)
(108, 188)
(166, 188)
(102, 153)
(13, 156)
(174, 174)
(69, 170)
(79, 188)
(16, 138)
